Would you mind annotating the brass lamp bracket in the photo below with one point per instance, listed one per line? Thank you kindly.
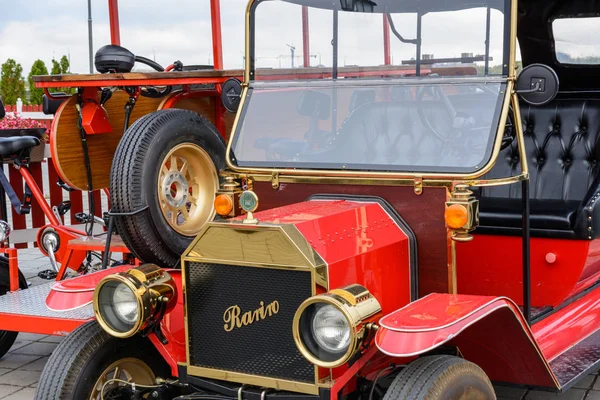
(461, 196)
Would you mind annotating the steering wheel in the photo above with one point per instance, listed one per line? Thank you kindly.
(456, 121)
(153, 92)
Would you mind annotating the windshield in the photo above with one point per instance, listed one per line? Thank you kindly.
(370, 125)
(364, 38)
(412, 86)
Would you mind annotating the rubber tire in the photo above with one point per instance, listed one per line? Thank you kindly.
(440, 377)
(134, 174)
(77, 362)
(7, 338)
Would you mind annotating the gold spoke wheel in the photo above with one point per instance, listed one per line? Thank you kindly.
(130, 370)
(187, 183)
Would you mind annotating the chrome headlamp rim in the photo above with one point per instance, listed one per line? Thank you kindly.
(341, 306)
(138, 291)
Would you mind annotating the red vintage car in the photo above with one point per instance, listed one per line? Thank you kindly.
(395, 237)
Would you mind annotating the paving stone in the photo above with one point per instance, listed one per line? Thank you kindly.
(509, 392)
(573, 394)
(597, 385)
(20, 377)
(6, 390)
(14, 360)
(585, 383)
(593, 395)
(24, 394)
(37, 365)
(37, 349)
(4, 371)
(19, 343)
(52, 339)
(31, 336)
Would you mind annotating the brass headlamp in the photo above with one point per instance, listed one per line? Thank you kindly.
(330, 328)
(132, 301)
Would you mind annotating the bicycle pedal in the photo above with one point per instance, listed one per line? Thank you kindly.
(83, 218)
(64, 207)
(48, 274)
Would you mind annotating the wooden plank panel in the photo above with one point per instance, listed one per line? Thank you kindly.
(76, 204)
(18, 221)
(65, 140)
(56, 192)
(37, 215)
(97, 203)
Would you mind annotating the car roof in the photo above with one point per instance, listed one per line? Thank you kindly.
(536, 39)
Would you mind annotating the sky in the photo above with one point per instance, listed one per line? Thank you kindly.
(169, 30)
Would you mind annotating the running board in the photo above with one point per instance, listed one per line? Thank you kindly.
(26, 311)
(578, 362)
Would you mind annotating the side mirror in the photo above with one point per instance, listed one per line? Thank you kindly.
(2, 110)
(537, 84)
(231, 94)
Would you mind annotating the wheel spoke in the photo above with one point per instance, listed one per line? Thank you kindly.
(115, 375)
(184, 168)
(165, 170)
(174, 217)
(184, 213)
(173, 163)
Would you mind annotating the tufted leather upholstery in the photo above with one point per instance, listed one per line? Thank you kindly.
(563, 149)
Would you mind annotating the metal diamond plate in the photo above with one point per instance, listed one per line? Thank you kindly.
(577, 361)
(32, 302)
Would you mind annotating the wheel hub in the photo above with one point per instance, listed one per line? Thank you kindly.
(187, 182)
(175, 189)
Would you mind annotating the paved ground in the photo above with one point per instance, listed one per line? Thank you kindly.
(20, 369)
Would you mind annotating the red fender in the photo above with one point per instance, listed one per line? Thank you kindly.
(78, 292)
(489, 331)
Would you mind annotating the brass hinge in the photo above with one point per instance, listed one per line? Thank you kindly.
(275, 180)
(418, 185)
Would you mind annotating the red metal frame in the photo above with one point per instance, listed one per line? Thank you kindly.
(113, 15)
(215, 19)
(387, 56)
(305, 37)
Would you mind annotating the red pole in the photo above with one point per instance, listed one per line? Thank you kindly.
(305, 37)
(215, 20)
(13, 269)
(387, 58)
(113, 14)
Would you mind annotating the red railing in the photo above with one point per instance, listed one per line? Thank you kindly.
(53, 193)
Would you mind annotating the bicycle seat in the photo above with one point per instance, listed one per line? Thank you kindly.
(13, 145)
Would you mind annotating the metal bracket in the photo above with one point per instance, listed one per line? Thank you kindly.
(275, 180)
(418, 185)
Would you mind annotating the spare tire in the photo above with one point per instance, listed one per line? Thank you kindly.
(166, 165)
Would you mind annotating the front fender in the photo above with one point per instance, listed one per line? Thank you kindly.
(489, 331)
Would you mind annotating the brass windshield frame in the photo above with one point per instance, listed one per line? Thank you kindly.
(283, 175)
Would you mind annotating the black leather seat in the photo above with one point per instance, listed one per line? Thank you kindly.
(563, 149)
(14, 145)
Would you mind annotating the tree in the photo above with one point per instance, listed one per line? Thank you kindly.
(56, 70)
(12, 85)
(35, 94)
(64, 65)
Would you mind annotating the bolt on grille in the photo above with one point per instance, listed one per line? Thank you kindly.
(240, 319)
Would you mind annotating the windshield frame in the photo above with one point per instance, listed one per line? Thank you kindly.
(326, 175)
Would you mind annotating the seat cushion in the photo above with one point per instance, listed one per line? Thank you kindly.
(13, 145)
(544, 214)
